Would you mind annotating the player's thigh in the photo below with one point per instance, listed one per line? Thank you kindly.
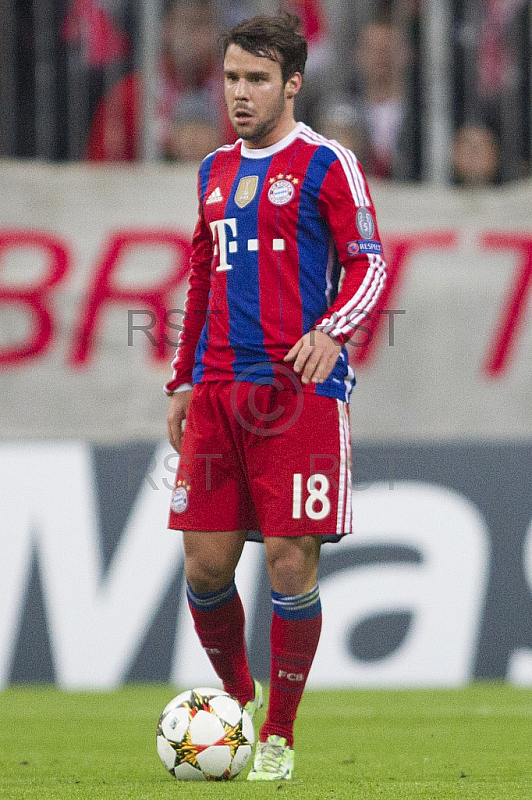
(211, 491)
(211, 557)
(300, 479)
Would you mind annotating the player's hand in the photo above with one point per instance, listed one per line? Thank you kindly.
(177, 412)
(314, 356)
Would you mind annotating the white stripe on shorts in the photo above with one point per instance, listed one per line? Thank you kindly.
(344, 488)
(349, 493)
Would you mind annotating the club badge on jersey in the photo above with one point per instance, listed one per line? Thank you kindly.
(246, 190)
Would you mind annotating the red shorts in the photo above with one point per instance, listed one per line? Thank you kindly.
(270, 458)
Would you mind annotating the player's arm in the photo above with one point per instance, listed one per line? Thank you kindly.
(346, 205)
(177, 412)
(196, 305)
(314, 356)
(180, 385)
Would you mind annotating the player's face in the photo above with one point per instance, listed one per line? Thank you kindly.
(260, 105)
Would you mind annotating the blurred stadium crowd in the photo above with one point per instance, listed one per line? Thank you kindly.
(401, 82)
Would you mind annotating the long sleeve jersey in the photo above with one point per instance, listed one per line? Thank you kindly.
(286, 242)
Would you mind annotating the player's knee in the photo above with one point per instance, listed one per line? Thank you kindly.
(292, 566)
(210, 559)
(207, 577)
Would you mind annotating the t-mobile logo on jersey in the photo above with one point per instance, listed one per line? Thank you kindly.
(223, 245)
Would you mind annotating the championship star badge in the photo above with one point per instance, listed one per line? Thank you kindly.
(246, 190)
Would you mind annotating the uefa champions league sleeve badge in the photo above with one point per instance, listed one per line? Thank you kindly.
(365, 223)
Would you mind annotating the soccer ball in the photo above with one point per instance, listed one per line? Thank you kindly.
(204, 735)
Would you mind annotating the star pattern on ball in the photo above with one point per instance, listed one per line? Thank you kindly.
(185, 746)
(234, 737)
(187, 751)
(197, 703)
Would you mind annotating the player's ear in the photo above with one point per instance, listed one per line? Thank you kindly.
(293, 85)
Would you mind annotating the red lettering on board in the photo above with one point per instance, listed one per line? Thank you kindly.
(398, 250)
(514, 308)
(33, 299)
(105, 290)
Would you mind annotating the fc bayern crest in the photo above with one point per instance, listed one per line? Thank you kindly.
(281, 192)
(179, 501)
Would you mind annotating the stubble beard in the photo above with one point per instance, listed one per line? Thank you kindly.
(262, 129)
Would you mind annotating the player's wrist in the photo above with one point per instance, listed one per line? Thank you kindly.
(337, 337)
(183, 387)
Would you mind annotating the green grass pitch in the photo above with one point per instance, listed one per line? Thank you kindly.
(391, 745)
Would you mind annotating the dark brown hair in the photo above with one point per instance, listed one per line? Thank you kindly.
(277, 38)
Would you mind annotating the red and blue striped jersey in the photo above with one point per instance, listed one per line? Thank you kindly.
(286, 241)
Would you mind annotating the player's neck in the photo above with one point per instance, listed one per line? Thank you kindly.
(276, 147)
(280, 132)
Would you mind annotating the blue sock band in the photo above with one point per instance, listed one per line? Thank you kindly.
(297, 606)
(210, 601)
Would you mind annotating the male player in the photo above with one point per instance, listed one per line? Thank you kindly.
(266, 444)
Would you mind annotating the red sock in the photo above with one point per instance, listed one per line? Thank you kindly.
(219, 622)
(293, 646)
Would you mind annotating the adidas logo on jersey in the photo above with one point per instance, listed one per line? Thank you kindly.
(214, 197)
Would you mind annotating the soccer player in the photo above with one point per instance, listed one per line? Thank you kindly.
(266, 445)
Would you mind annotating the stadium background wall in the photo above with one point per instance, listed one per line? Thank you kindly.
(435, 587)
